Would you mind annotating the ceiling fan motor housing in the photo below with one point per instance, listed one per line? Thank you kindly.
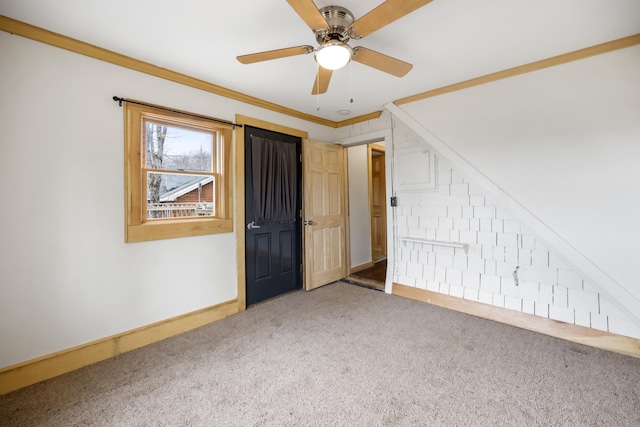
(339, 20)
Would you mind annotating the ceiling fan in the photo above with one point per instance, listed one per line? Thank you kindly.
(333, 27)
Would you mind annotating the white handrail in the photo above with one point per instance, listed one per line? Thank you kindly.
(436, 242)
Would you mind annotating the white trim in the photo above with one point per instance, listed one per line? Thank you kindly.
(391, 212)
(367, 138)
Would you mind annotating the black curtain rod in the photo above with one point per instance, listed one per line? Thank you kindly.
(121, 100)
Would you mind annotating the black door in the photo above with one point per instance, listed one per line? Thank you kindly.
(273, 250)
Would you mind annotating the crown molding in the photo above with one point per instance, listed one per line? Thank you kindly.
(527, 68)
(54, 39)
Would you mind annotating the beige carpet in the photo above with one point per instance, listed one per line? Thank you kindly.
(348, 356)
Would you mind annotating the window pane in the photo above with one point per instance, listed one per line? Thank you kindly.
(179, 196)
(174, 148)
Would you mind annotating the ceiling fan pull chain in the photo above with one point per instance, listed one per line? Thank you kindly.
(317, 87)
(350, 82)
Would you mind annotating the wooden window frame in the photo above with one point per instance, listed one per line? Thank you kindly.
(137, 227)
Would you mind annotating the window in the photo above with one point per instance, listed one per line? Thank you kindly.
(177, 175)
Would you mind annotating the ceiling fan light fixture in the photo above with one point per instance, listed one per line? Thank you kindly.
(333, 55)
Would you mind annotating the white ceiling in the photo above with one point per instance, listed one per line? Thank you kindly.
(447, 41)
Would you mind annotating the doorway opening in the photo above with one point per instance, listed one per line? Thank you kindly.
(374, 275)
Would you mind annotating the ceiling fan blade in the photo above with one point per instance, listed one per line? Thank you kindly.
(385, 14)
(308, 11)
(381, 61)
(274, 54)
(321, 83)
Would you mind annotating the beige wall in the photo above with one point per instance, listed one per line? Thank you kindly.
(68, 278)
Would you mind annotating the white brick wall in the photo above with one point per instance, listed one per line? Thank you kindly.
(459, 211)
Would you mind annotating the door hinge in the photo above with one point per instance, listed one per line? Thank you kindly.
(300, 158)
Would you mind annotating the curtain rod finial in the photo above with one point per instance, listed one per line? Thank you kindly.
(121, 100)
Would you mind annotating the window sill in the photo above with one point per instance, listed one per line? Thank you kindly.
(175, 229)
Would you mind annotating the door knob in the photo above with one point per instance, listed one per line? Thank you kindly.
(309, 222)
(252, 225)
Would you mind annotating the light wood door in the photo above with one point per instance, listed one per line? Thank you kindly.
(378, 206)
(325, 213)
